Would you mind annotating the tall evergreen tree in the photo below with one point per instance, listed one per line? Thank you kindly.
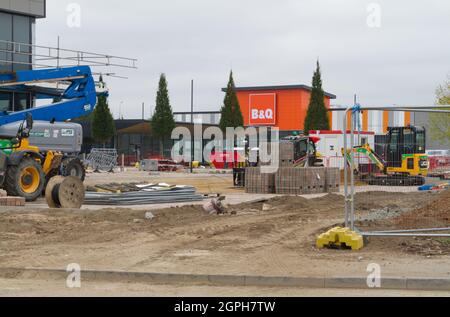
(317, 117)
(162, 121)
(103, 127)
(231, 110)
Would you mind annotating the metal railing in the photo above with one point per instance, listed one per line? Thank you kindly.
(40, 56)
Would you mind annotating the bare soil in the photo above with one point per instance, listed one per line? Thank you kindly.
(433, 213)
(275, 237)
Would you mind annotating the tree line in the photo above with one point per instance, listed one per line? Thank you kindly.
(317, 118)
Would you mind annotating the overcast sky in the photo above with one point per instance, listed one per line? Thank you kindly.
(265, 43)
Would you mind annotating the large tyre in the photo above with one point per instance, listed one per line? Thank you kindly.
(73, 167)
(25, 180)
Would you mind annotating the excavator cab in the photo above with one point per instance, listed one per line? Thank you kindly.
(405, 151)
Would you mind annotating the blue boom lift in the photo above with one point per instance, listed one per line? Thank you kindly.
(24, 167)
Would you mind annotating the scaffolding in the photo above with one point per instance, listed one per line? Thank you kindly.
(38, 57)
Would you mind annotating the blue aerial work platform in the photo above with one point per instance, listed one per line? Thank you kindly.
(79, 99)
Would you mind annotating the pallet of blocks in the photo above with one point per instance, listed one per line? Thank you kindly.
(286, 154)
(290, 181)
(257, 182)
(333, 179)
(315, 180)
(302, 181)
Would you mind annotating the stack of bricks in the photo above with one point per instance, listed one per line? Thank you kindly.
(333, 180)
(293, 181)
(12, 201)
(257, 182)
(286, 154)
(290, 181)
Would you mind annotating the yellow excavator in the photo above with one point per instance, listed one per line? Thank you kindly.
(404, 161)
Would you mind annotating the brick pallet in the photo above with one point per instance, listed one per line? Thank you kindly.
(333, 180)
(293, 181)
(257, 182)
(12, 201)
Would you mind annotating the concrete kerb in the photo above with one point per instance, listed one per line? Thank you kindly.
(392, 283)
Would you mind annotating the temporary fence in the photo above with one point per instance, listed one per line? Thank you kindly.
(102, 159)
(392, 192)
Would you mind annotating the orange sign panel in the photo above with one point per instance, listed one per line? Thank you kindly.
(263, 109)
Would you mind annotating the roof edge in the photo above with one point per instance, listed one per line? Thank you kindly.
(282, 87)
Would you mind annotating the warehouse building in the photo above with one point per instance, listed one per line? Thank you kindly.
(17, 35)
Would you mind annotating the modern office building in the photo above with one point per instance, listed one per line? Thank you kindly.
(17, 35)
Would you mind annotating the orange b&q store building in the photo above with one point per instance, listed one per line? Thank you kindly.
(283, 107)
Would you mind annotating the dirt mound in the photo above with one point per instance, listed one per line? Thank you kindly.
(435, 214)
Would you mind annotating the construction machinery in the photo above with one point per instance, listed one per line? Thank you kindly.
(403, 163)
(294, 150)
(48, 146)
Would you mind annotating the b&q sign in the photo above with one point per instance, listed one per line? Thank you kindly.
(263, 109)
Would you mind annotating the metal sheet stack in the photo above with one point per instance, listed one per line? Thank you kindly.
(293, 181)
(143, 195)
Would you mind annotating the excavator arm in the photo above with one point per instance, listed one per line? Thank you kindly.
(367, 151)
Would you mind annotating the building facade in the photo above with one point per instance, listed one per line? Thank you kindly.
(17, 35)
(282, 107)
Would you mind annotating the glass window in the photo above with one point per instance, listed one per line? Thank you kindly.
(22, 34)
(409, 141)
(21, 102)
(395, 138)
(135, 139)
(5, 102)
(5, 35)
(421, 142)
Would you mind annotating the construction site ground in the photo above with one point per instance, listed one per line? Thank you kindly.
(271, 238)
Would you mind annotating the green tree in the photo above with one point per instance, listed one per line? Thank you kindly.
(103, 127)
(162, 121)
(231, 115)
(317, 117)
(440, 123)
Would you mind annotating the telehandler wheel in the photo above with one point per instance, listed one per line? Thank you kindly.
(73, 167)
(25, 180)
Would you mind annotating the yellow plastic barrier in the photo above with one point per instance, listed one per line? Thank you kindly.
(340, 237)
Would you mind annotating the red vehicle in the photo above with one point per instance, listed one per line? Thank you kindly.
(439, 166)
(223, 160)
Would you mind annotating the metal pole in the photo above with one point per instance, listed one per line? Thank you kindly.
(401, 108)
(58, 55)
(352, 175)
(346, 167)
(143, 111)
(192, 125)
(424, 235)
(413, 230)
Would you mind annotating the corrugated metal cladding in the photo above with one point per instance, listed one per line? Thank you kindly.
(375, 121)
(33, 8)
